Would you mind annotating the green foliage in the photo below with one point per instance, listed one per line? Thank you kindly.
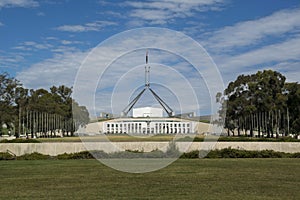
(238, 153)
(39, 110)
(261, 102)
(238, 139)
(295, 155)
(72, 156)
(293, 102)
(250, 139)
(34, 156)
(100, 154)
(6, 156)
(190, 155)
(172, 152)
(18, 140)
(8, 95)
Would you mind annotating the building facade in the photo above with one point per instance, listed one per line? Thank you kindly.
(148, 126)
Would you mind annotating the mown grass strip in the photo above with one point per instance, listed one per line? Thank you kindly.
(184, 179)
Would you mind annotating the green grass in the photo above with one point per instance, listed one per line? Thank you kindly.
(164, 138)
(184, 179)
(112, 138)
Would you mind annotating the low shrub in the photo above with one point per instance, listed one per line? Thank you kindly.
(191, 154)
(74, 156)
(171, 153)
(19, 140)
(189, 139)
(239, 139)
(6, 156)
(238, 153)
(154, 154)
(34, 156)
(295, 155)
(100, 154)
(255, 139)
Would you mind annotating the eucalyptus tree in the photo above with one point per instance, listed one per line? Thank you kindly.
(255, 102)
(39, 111)
(293, 103)
(8, 114)
(56, 109)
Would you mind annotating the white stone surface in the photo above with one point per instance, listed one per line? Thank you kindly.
(147, 112)
(54, 149)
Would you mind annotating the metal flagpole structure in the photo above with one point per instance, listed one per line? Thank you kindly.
(165, 106)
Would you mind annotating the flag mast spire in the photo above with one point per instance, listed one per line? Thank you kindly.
(165, 106)
(147, 72)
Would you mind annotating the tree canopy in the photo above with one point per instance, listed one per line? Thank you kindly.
(261, 102)
(28, 111)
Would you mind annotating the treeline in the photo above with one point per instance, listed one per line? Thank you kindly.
(261, 105)
(38, 113)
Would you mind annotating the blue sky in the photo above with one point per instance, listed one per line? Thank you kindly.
(43, 43)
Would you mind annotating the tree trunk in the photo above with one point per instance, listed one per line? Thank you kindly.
(258, 124)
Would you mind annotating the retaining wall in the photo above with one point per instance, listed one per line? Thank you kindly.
(54, 149)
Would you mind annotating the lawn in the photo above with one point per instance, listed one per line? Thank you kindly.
(164, 138)
(112, 138)
(184, 179)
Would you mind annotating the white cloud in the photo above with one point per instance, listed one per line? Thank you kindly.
(63, 49)
(289, 69)
(59, 70)
(154, 16)
(93, 26)
(162, 12)
(51, 38)
(63, 67)
(69, 42)
(251, 32)
(1, 24)
(32, 46)
(282, 56)
(18, 3)
(263, 43)
(288, 50)
(9, 60)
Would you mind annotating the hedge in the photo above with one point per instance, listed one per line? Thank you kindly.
(173, 153)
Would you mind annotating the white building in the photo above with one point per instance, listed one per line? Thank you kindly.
(147, 112)
(148, 126)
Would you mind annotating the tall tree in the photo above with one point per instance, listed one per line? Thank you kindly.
(8, 87)
(255, 101)
(293, 103)
(39, 111)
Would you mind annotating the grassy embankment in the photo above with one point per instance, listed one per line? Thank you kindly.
(163, 138)
(184, 179)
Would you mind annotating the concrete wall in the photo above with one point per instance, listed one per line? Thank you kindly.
(60, 148)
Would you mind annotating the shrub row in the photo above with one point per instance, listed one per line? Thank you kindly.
(186, 139)
(6, 156)
(238, 153)
(19, 140)
(223, 153)
(239, 139)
